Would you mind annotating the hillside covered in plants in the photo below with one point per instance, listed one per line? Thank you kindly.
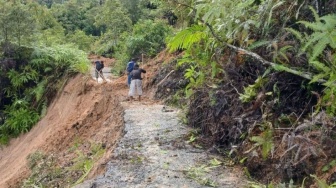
(256, 78)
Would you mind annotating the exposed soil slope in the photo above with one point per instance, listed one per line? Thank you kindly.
(85, 111)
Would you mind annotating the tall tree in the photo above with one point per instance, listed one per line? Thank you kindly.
(69, 15)
(114, 18)
(133, 9)
(17, 22)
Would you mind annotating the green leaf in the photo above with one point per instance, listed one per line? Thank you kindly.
(186, 38)
(317, 77)
(257, 44)
(321, 183)
(320, 66)
(296, 33)
(319, 47)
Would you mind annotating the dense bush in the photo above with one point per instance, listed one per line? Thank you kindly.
(148, 37)
(31, 78)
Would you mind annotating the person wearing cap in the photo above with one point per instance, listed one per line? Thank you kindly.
(129, 69)
(136, 83)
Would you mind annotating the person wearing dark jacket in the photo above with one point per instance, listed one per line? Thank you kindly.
(99, 65)
(136, 82)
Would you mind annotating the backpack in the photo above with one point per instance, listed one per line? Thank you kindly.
(130, 66)
(99, 66)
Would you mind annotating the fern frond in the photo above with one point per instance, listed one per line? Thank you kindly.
(283, 50)
(271, 12)
(316, 16)
(186, 38)
(320, 66)
(319, 47)
(39, 90)
(332, 40)
(257, 44)
(313, 39)
(315, 26)
(296, 33)
(330, 21)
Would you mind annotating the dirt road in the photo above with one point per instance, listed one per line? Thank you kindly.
(154, 152)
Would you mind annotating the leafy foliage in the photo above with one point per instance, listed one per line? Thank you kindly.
(320, 43)
(34, 82)
(148, 37)
(82, 40)
(199, 62)
(47, 172)
(17, 23)
(60, 58)
(265, 141)
(20, 118)
(224, 29)
(186, 38)
(250, 92)
(114, 18)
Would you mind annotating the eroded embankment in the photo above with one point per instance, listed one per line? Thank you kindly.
(84, 114)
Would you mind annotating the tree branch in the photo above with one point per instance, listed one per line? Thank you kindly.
(305, 75)
(278, 67)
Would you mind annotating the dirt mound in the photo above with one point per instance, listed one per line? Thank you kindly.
(84, 111)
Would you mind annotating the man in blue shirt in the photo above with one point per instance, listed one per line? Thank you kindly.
(129, 68)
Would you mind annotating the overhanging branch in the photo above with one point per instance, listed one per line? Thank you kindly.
(305, 75)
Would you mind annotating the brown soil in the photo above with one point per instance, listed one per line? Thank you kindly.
(85, 111)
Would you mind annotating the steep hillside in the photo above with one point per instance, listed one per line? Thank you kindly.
(85, 113)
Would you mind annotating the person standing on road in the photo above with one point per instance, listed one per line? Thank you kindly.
(129, 69)
(136, 83)
(99, 65)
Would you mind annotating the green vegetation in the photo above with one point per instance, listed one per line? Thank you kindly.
(255, 74)
(47, 172)
(249, 64)
(44, 43)
(200, 173)
(27, 88)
